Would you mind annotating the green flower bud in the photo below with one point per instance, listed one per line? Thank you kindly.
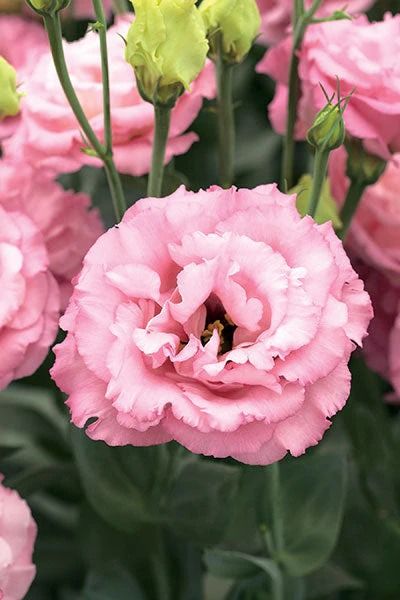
(9, 97)
(48, 6)
(234, 24)
(167, 47)
(328, 130)
(361, 165)
(327, 207)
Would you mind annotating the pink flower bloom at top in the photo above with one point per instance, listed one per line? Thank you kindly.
(374, 235)
(17, 537)
(381, 347)
(22, 42)
(219, 319)
(68, 227)
(49, 134)
(276, 15)
(363, 56)
(29, 299)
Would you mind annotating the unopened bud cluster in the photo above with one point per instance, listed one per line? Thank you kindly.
(232, 26)
(48, 6)
(328, 130)
(167, 47)
(361, 165)
(9, 96)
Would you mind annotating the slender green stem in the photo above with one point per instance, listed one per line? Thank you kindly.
(277, 524)
(53, 27)
(277, 587)
(101, 19)
(120, 7)
(320, 168)
(226, 122)
(300, 24)
(115, 185)
(162, 116)
(354, 195)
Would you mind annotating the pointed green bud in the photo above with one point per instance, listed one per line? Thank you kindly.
(327, 207)
(361, 165)
(167, 47)
(328, 130)
(9, 96)
(232, 24)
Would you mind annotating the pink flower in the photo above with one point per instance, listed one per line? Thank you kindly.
(17, 538)
(219, 319)
(49, 134)
(68, 227)
(22, 42)
(276, 15)
(381, 348)
(29, 300)
(83, 9)
(375, 230)
(363, 56)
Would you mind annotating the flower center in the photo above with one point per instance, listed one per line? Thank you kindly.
(218, 319)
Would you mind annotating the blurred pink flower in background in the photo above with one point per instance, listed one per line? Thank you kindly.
(68, 227)
(49, 136)
(381, 347)
(364, 57)
(22, 42)
(219, 319)
(29, 301)
(17, 538)
(374, 235)
(276, 15)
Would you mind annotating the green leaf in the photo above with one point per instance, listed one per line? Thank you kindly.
(237, 565)
(111, 583)
(109, 477)
(310, 503)
(327, 207)
(329, 579)
(30, 414)
(201, 497)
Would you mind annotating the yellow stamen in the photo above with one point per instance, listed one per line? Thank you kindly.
(207, 333)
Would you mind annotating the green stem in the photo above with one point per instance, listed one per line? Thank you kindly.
(226, 122)
(115, 185)
(354, 195)
(53, 27)
(277, 523)
(101, 19)
(162, 116)
(300, 24)
(120, 7)
(320, 168)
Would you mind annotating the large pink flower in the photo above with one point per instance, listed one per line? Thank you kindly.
(17, 538)
(375, 230)
(363, 56)
(219, 319)
(22, 42)
(49, 134)
(29, 300)
(276, 15)
(382, 345)
(68, 227)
